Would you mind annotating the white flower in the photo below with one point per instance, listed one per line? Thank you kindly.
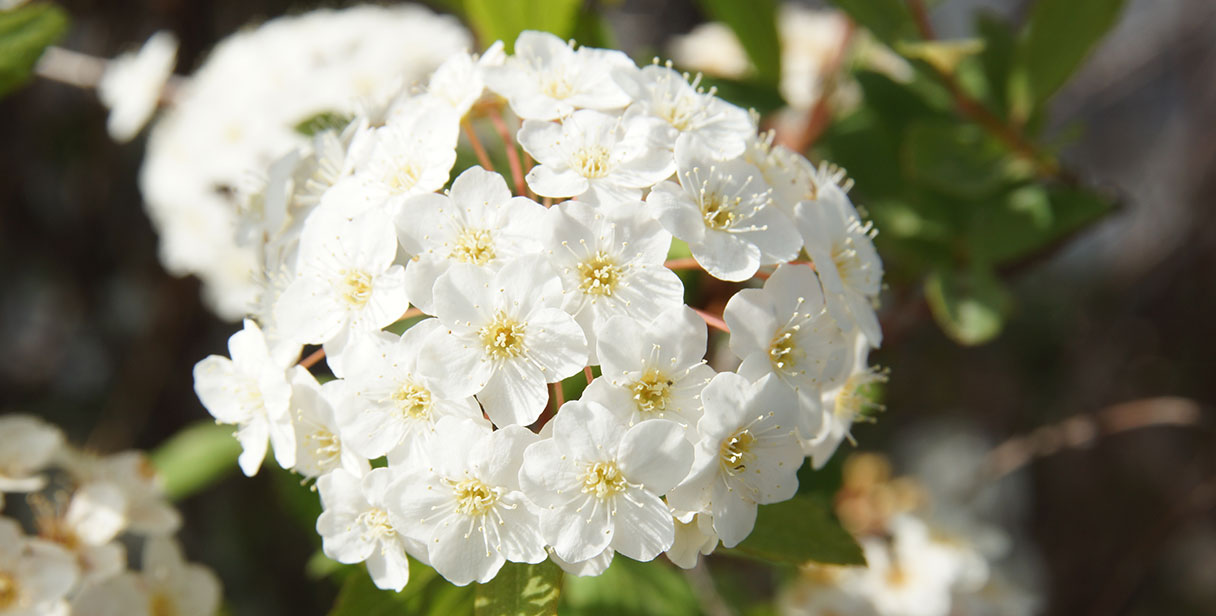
(548, 79)
(585, 568)
(842, 248)
(388, 403)
(347, 281)
(146, 510)
(598, 482)
(94, 517)
(132, 83)
(653, 370)
(910, 577)
(784, 330)
(748, 454)
(251, 391)
(725, 212)
(460, 80)
(611, 263)
(477, 222)
(506, 337)
(411, 154)
(597, 157)
(466, 506)
(694, 536)
(845, 404)
(708, 126)
(27, 445)
(166, 584)
(321, 442)
(355, 526)
(35, 576)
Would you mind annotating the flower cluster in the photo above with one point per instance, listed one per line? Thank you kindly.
(516, 294)
(929, 551)
(240, 110)
(85, 510)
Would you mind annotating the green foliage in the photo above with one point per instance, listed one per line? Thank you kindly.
(755, 24)
(761, 96)
(24, 33)
(503, 20)
(1059, 36)
(520, 589)
(629, 587)
(889, 20)
(797, 531)
(195, 457)
(969, 305)
(326, 120)
(426, 594)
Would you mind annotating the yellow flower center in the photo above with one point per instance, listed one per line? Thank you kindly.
(591, 162)
(474, 246)
(782, 350)
(558, 88)
(735, 451)
(651, 391)
(160, 605)
(503, 337)
(325, 445)
(473, 497)
(603, 479)
(9, 593)
(375, 524)
(717, 213)
(403, 178)
(413, 401)
(599, 275)
(356, 288)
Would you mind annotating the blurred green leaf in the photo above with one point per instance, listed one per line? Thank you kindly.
(591, 29)
(889, 20)
(755, 25)
(503, 20)
(195, 457)
(969, 305)
(941, 55)
(630, 587)
(761, 96)
(1059, 36)
(959, 159)
(996, 60)
(520, 589)
(426, 594)
(24, 33)
(326, 120)
(1031, 218)
(797, 531)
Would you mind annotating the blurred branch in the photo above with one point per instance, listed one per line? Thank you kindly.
(820, 114)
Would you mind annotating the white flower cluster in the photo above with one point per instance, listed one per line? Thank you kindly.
(482, 464)
(85, 509)
(926, 554)
(239, 110)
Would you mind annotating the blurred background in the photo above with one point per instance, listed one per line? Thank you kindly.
(100, 340)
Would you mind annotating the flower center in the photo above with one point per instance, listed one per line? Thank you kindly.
(852, 401)
(375, 524)
(845, 259)
(679, 112)
(474, 246)
(591, 162)
(356, 288)
(717, 212)
(160, 605)
(603, 479)
(413, 401)
(402, 178)
(651, 391)
(503, 337)
(782, 351)
(473, 497)
(325, 445)
(558, 87)
(735, 451)
(599, 275)
(9, 592)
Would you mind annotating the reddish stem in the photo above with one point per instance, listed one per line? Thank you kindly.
(311, 360)
(712, 321)
(587, 372)
(478, 148)
(682, 263)
(517, 173)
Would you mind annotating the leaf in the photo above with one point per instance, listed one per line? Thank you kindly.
(797, 531)
(969, 305)
(758, 95)
(326, 120)
(630, 587)
(195, 457)
(24, 33)
(503, 20)
(889, 20)
(944, 56)
(426, 593)
(958, 159)
(996, 59)
(520, 589)
(755, 25)
(1031, 218)
(1059, 36)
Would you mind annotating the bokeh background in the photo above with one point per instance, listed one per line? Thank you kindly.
(97, 338)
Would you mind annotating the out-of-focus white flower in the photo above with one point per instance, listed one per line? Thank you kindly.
(132, 83)
(547, 78)
(27, 445)
(95, 515)
(35, 575)
(166, 584)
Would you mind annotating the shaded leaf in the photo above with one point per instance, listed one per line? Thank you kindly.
(1059, 36)
(944, 56)
(520, 589)
(195, 457)
(797, 531)
(969, 305)
(24, 33)
(326, 120)
(503, 20)
(959, 159)
(755, 25)
(889, 20)
(630, 587)
(761, 96)
(426, 593)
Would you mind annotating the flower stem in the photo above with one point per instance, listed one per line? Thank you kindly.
(478, 148)
(517, 173)
(711, 320)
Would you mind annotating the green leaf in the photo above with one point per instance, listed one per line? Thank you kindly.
(591, 29)
(426, 594)
(969, 305)
(959, 159)
(195, 457)
(944, 56)
(520, 589)
(758, 95)
(755, 25)
(889, 20)
(1031, 218)
(503, 20)
(24, 33)
(797, 531)
(996, 60)
(630, 587)
(326, 120)
(1059, 36)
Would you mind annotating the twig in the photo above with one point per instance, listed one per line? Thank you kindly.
(682, 263)
(587, 373)
(517, 173)
(820, 114)
(711, 320)
(312, 359)
(478, 148)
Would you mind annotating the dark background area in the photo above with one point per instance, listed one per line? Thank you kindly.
(100, 340)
